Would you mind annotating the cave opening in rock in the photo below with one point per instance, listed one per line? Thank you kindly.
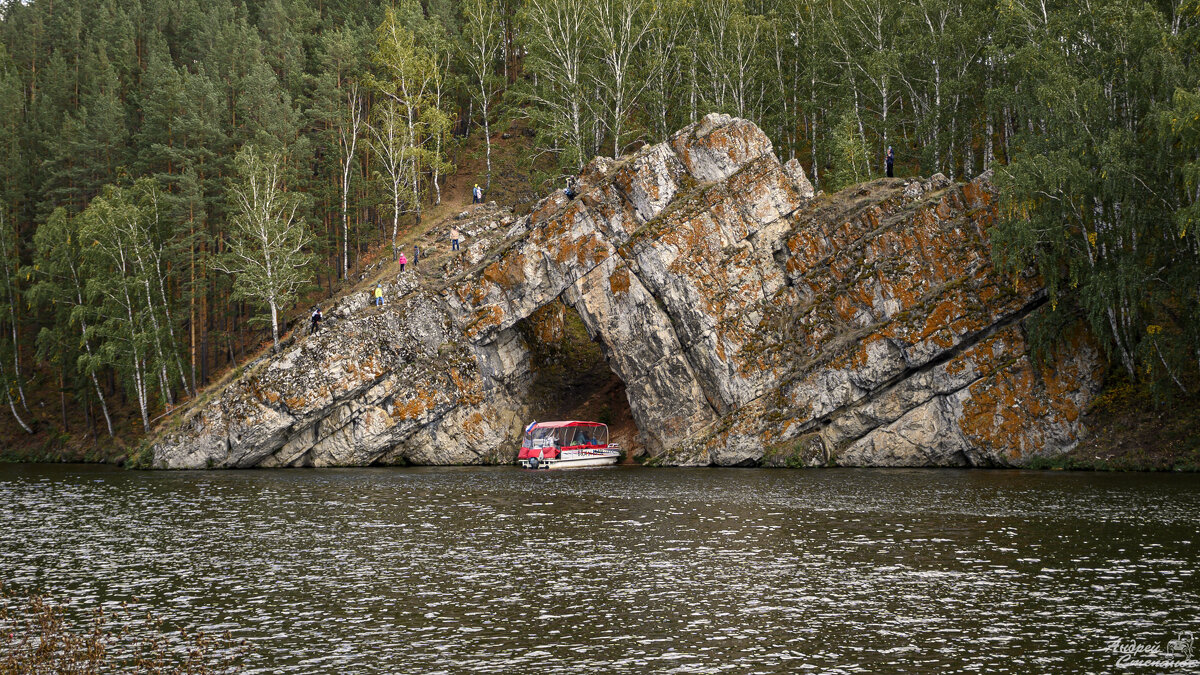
(572, 379)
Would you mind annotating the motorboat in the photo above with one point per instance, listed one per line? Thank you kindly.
(567, 445)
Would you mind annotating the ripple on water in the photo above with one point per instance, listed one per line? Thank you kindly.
(625, 570)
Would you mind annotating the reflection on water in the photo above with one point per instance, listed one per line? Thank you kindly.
(625, 569)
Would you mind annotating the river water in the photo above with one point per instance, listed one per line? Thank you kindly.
(626, 570)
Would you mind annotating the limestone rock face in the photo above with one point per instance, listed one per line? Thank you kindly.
(750, 322)
(796, 172)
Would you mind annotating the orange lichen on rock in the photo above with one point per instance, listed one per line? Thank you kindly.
(469, 392)
(845, 309)
(470, 294)
(1001, 410)
(1015, 409)
(618, 281)
(422, 401)
(977, 196)
(475, 426)
(508, 272)
(485, 318)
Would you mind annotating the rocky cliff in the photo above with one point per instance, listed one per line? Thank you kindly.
(750, 322)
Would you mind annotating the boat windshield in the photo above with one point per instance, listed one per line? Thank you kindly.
(546, 437)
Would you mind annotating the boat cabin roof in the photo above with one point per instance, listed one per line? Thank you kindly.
(572, 423)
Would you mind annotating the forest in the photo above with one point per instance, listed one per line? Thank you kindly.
(175, 175)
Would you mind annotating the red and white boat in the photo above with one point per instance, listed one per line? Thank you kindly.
(567, 445)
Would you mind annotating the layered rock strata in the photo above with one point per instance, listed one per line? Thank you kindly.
(750, 322)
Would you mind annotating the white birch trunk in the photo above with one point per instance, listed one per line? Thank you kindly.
(13, 408)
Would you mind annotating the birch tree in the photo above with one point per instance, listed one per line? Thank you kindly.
(349, 129)
(742, 59)
(557, 54)
(396, 156)
(130, 249)
(10, 345)
(621, 28)
(113, 286)
(865, 39)
(667, 56)
(436, 124)
(267, 243)
(154, 237)
(480, 45)
(410, 77)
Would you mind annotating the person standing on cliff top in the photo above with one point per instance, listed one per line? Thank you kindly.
(888, 159)
(454, 237)
(403, 261)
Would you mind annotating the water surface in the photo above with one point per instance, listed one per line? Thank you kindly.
(625, 569)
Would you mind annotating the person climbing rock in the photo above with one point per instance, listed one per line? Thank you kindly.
(403, 261)
(571, 191)
(316, 320)
(454, 237)
(888, 159)
(379, 287)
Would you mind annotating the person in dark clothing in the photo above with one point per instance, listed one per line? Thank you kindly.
(316, 320)
(416, 254)
(571, 191)
(888, 159)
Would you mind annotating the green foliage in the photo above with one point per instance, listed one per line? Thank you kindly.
(268, 243)
(11, 380)
(410, 126)
(1095, 198)
(850, 148)
(123, 238)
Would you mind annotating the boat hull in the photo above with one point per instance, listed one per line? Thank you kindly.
(604, 458)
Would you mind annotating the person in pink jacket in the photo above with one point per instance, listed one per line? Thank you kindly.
(403, 261)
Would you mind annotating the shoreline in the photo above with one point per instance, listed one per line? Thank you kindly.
(1128, 431)
(1068, 462)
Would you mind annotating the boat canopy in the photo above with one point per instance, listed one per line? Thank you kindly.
(559, 425)
(554, 436)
